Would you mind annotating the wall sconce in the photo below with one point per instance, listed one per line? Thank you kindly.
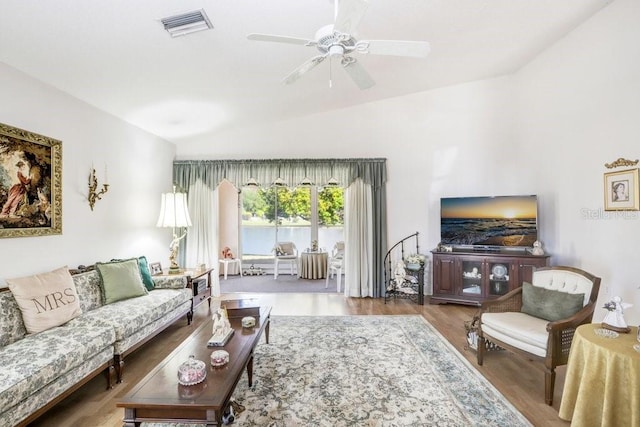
(175, 214)
(93, 186)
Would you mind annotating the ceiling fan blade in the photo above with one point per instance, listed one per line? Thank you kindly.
(414, 49)
(280, 39)
(357, 72)
(305, 67)
(348, 15)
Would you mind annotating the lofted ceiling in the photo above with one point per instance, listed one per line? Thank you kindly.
(115, 54)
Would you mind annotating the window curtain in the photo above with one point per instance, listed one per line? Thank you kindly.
(202, 239)
(358, 233)
(293, 172)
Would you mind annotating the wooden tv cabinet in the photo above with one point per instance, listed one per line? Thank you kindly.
(471, 276)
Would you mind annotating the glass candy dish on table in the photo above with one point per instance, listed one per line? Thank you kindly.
(219, 358)
(192, 372)
(605, 333)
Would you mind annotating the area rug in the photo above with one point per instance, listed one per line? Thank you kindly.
(366, 371)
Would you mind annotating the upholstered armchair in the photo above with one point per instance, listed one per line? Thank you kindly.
(285, 252)
(538, 319)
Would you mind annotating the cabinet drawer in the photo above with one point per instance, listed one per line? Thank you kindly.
(197, 299)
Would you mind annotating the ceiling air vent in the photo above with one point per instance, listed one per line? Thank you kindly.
(186, 23)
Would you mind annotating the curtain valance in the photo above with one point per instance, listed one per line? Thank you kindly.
(290, 172)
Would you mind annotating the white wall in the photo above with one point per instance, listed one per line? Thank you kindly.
(546, 130)
(139, 170)
(452, 141)
(579, 108)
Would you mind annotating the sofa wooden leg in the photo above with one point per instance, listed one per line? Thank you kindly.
(109, 373)
(189, 317)
(549, 384)
(119, 365)
(480, 350)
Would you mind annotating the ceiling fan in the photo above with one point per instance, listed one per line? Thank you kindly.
(337, 40)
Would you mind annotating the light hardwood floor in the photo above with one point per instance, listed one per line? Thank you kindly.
(520, 380)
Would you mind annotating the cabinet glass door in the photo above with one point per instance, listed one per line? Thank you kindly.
(472, 278)
(498, 278)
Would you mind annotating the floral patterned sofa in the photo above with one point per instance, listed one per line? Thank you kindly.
(41, 369)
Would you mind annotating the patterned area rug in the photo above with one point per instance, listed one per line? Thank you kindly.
(366, 371)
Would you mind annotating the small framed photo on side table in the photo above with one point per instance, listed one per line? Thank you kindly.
(155, 268)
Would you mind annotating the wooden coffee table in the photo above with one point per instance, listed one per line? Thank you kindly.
(159, 397)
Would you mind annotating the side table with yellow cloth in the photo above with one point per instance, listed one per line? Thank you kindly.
(602, 384)
(313, 265)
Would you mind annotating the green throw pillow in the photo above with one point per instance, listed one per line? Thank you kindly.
(143, 264)
(120, 280)
(549, 304)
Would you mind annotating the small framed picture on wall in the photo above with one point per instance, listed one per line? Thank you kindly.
(621, 190)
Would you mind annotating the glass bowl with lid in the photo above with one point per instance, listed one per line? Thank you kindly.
(219, 358)
(192, 371)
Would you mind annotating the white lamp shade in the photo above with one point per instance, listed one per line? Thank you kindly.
(174, 211)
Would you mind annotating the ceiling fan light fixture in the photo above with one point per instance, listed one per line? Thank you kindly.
(337, 40)
(187, 23)
(336, 49)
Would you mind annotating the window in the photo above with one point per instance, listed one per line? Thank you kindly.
(330, 216)
(299, 215)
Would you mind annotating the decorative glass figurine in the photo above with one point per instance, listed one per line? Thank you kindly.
(614, 319)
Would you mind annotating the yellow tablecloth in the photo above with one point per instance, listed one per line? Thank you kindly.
(313, 265)
(602, 384)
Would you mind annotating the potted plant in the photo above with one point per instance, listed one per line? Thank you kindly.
(415, 261)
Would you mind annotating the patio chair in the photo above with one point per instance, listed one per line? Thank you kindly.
(335, 264)
(285, 252)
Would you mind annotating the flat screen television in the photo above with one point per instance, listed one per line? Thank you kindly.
(489, 222)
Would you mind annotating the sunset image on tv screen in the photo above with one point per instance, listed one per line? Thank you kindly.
(489, 221)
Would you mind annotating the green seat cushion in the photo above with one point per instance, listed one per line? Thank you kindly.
(549, 304)
(120, 280)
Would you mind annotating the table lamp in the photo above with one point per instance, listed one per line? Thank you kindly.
(174, 213)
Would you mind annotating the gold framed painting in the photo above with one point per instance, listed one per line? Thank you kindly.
(30, 183)
(621, 190)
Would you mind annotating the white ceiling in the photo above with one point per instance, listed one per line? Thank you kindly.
(115, 54)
